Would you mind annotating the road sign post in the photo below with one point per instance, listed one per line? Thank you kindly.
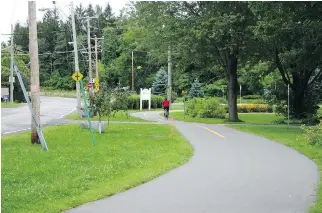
(87, 113)
(184, 92)
(5, 98)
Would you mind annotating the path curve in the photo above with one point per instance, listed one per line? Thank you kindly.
(230, 172)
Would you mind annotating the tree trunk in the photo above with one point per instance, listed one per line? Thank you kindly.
(232, 89)
(298, 104)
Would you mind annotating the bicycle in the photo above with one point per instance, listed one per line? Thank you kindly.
(166, 114)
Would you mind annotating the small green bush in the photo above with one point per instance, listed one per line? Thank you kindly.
(313, 135)
(205, 108)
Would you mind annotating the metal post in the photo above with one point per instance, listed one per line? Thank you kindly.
(76, 60)
(184, 106)
(132, 72)
(169, 74)
(11, 67)
(240, 88)
(87, 113)
(288, 105)
(34, 67)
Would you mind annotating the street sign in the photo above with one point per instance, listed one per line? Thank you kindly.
(12, 79)
(5, 97)
(77, 76)
(96, 88)
(90, 85)
(97, 80)
(92, 81)
(96, 84)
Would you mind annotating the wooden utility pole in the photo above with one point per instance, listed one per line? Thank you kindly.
(132, 72)
(76, 60)
(11, 67)
(96, 53)
(96, 57)
(89, 50)
(34, 67)
(169, 74)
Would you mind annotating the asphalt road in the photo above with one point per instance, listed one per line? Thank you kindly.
(230, 172)
(51, 110)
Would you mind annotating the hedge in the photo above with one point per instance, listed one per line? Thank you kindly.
(252, 97)
(249, 108)
(134, 102)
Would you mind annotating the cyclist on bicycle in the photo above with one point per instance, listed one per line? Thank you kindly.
(166, 105)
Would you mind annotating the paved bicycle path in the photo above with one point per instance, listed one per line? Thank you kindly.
(230, 172)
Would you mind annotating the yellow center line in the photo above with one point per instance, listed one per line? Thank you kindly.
(216, 133)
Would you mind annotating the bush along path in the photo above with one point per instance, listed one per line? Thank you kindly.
(230, 171)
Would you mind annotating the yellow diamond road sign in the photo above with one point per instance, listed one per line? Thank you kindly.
(96, 84)
(97, 80)
(77, 76)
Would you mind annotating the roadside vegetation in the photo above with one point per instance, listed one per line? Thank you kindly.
(74, 172)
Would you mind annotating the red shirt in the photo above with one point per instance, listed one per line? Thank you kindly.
(166, 103)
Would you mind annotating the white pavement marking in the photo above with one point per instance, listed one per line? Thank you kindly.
(66, 114)
(15, 131)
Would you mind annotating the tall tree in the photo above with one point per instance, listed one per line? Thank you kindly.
(160, 82)
(292, 35)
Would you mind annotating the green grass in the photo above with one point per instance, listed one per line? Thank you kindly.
(9, 105)
(119, 116)
(74, 172)
(177, 107)
(291, 137)
(246, 118)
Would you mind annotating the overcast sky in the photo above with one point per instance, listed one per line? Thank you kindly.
(13, 11)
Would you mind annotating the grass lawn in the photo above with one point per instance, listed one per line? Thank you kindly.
(177, 107)
(291, 137)
(246, 118)
(74, 172)
(9, 105)
(119, 116)
(59, 93)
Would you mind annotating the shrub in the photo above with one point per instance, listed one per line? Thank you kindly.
(249, 108)
(252, 97)
(313, 135)
(205, 108)
(193, 107)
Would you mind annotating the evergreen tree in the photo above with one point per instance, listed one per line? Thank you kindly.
(195, 90)
(160, 82)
